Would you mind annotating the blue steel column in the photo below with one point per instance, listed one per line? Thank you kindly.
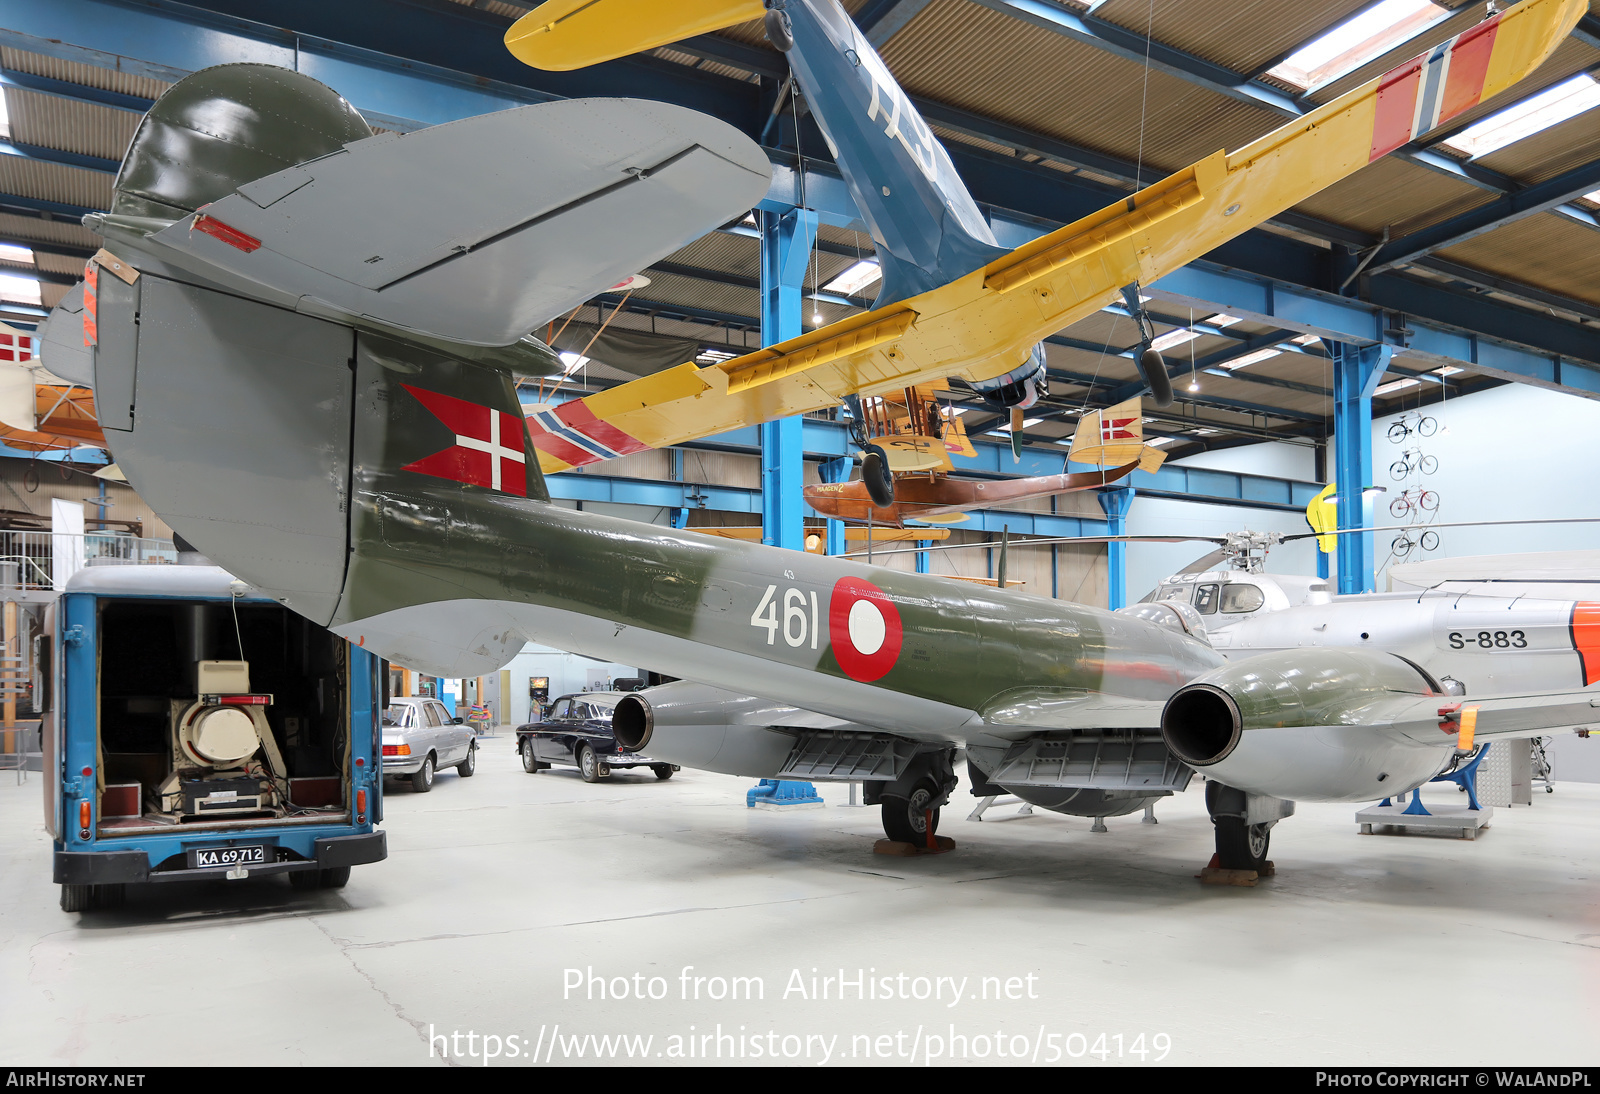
(786, 240)
(836, 471)
(1356, 373)
(922, 557)
(1116, 504)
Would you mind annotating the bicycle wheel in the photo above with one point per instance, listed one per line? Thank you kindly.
(1428, 501)
(1399, 469)
(1401, 546)
(1399, 507)
(1430, 541)
(1398, 431)
(1428, 426)
(1429, 465)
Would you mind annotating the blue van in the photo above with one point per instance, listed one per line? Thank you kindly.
(194, 729)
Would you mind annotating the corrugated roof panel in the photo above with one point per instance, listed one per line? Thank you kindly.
(971, 57)
(74, 72)
(691, 292)
(51, 294)
(51, 121)
(57, 264)
(1469, 16)
(1240, 37)
(25, 229)
(1396, 194)
(54, 182)
(1546, 251)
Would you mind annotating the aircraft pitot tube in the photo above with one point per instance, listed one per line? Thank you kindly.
(1341, 725)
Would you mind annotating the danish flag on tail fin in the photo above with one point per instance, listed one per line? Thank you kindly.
(1110, 437)
(16, 348)
(489, 448)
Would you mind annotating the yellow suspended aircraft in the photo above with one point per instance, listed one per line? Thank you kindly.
(981, 315)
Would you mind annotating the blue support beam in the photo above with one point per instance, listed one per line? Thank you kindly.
(55, 155)
(1356, 373)
(1116, 503)
(786, 240)
(1513, 207)
(835, 470)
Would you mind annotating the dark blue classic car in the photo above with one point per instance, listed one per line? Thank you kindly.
(576, 732)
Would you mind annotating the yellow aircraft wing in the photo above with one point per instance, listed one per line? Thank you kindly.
(983, 325)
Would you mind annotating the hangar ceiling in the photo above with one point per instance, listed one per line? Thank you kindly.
(1051, 108)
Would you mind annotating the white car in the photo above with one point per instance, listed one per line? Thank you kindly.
(420, 737)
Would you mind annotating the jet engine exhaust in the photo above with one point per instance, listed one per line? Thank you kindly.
(1201, 725)
(633, 723)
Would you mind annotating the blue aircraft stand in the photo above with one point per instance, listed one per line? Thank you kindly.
(1446, 818)
(781, 792)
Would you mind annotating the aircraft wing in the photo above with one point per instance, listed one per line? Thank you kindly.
(983, 325)
(479, 230)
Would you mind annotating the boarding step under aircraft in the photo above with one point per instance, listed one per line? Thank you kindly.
(309, 372)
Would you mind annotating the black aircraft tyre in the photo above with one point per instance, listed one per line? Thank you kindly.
(876, 474)
(906, 819)
(663, 771)
(1242, 846)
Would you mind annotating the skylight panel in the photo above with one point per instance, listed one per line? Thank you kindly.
(1356, 41)
(5, 117)
(11, 252)
(23, 290)
(854, 279)
(572, 362)
(1396, 385)
(1173, 338)
(1027, 423)
(1534, 114)
(1251, 358)
(1223, 319)
(1160, 440)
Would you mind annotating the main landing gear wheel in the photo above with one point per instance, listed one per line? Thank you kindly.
(1242, 846)
(906, 819)
(588, 764)
(876, 474)
(422, 778)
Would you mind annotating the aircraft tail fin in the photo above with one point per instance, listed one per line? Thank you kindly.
(561, 35)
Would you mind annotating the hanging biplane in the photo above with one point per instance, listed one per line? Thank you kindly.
(40, 412)
(309, 372)
(924, 491)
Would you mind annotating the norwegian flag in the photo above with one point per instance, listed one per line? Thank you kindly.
(16, 348)
(489, 448)
(1116, 429)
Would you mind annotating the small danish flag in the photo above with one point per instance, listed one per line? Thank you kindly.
(487, 441)
(16, 348)
(1116, 429)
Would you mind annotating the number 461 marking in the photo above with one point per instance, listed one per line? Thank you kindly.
(796, 627)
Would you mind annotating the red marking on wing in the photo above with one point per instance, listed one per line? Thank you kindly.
(1396, 108)
(1586, 640)
(1469, 64)
(577, 415)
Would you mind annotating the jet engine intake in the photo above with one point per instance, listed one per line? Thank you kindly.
(1308, 725)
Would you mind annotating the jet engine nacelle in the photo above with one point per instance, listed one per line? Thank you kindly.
(1306, 725)
(692, 725)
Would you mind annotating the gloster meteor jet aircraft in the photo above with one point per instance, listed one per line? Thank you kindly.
(304, 341)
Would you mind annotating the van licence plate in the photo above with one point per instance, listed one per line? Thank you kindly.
(202, 857)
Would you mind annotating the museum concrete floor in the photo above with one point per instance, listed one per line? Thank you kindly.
(1363, 950)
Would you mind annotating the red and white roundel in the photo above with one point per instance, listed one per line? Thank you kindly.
(864, 626)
